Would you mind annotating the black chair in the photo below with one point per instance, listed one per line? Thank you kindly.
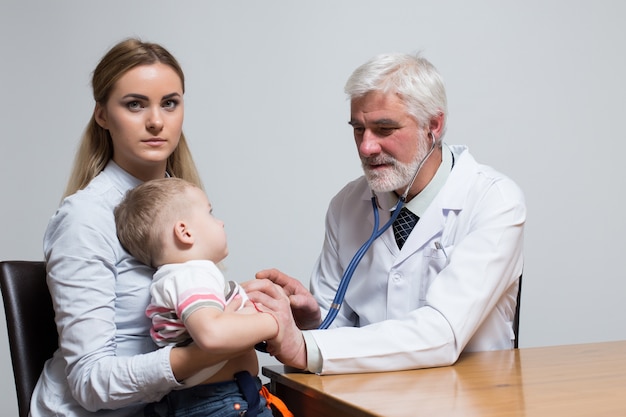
(30, 323)
(517, 309)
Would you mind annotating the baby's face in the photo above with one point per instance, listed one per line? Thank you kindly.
(210, 233)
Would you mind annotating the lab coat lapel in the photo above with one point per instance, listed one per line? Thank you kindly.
(426, 228)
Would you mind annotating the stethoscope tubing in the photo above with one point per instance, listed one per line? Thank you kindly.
(356, 259)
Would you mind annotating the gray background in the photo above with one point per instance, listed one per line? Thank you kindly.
(536, 89)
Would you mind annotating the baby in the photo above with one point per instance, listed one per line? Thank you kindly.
(168, 224)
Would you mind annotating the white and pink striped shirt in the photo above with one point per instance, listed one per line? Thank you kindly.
(178, 290)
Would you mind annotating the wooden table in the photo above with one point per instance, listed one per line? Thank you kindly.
(575, 380)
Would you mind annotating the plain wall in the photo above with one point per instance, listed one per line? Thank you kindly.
(535, 88)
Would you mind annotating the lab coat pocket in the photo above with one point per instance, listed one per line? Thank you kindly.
(435, 260)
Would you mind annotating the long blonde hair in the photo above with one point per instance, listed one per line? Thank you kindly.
(96, 148)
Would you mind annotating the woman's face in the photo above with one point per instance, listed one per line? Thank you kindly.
(144, 115)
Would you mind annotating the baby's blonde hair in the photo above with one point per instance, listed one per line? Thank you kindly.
(146, 212)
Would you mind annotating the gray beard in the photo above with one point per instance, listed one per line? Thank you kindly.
(395, 177)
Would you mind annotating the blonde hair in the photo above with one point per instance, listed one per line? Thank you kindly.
(144, 213)
(96, 149)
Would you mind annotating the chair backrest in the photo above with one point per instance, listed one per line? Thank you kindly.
(30, 323)
(517, 309)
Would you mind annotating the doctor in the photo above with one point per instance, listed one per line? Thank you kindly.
(451, 287)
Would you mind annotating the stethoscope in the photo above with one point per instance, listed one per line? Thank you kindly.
(356, 259)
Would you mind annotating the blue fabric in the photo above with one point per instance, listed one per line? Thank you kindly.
(248, 386)
(223, 399)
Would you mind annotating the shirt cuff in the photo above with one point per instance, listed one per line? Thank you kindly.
(314, 360)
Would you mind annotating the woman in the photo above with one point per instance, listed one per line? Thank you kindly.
(106, 364)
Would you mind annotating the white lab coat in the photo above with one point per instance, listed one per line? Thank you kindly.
(422, 306)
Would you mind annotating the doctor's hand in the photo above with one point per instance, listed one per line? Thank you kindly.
(306, 311)
(288, 346)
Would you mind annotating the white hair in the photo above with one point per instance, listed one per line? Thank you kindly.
(413, 78)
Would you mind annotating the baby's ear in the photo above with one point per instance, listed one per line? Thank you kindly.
(182, 233)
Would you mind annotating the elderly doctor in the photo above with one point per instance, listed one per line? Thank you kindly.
(450, 287)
